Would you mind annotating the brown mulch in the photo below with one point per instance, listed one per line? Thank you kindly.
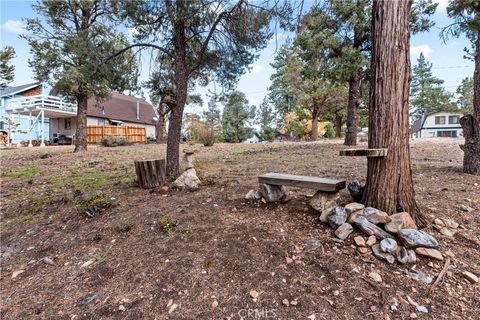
(222, 246)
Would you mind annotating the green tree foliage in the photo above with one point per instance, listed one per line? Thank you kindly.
(7, 70)
(465, 96)
(266, 118)
(70, 45)
(427, 93)
(202, 40)
(237, 115)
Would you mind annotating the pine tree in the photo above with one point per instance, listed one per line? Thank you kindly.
(265, 118)
(7, 70)
(236, 117)
(465, 96)
(427, 93)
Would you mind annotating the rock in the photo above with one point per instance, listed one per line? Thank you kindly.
(356, 190)
(354, 215)
(253, 294)
(253, 195)
(447, 232)
(48, 261)
(439, 222)
(371, 229)
(87, 298)
(121, 307)
(188, 180)
(466, 208)
(363, 250)
(431, 253)
(422, 309)
(371, 241)
(450, 223)
(402, 255)
(359, 241)
(375, 277)
(214, 304)
(172, 308)
(377, 252)
(377, 216)
(354, 206)
(293, 302)
(388, 245)
(401, 220)
(420, 276)
(271, 193)
(412, 238)
(17, 273)
(470, 277)
(285, 302)
(344, 231)
(336, 217)
(323, 202)
(311, 317)
(312, 244)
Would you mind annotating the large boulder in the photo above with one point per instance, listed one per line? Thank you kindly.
(188, 180)
(271, 193)
(401, 220)
(370, 229)
(412, 238)
(323, 202)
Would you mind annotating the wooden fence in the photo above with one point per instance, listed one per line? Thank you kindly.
(135, 134)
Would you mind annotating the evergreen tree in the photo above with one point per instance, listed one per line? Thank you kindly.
(465, 96)
(7, 70)
(427, 93)
(265, 118)
(236, 117)
(212, 114)
(70, 45)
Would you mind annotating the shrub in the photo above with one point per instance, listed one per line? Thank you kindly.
(329, 131)
(207, 135)
(115, 141)
(92, 204)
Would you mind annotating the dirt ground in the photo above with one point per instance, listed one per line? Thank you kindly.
(199, 254)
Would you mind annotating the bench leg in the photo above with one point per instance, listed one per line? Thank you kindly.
(272, 193)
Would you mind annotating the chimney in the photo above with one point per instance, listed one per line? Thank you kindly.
(138, 110)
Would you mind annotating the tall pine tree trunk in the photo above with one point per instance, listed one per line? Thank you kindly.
(176, 112)
(314, 133)
(81, 131)
(389, 185)
(160, 129)
(471, 123)
(338, 126)
(354, 100)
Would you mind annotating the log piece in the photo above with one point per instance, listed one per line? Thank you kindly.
(150, 173)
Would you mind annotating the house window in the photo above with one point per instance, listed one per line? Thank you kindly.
(68, 124)
(447, 134)
(453, 119)
(440, 120)
(101, 122)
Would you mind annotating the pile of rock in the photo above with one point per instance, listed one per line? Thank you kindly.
(397, 235)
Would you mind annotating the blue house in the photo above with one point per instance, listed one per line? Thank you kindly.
(16, 94)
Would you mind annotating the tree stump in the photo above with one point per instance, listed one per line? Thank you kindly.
(150, 173)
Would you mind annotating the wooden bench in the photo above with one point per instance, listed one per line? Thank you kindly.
(319, 184)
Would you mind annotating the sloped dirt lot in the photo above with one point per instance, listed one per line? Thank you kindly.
(168, 254)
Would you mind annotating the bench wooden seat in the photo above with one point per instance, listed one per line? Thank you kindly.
(320, 184)
(364, 152)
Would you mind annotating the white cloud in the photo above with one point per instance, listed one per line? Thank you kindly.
(14, 26)
(256, 68)
(442, 5)
(424, 48)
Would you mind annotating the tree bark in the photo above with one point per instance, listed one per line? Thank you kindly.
(314, 133)
(81, 131)
(354, 100)
(150, 173)
(471, 123)
(176, 112)
(389, 185)
(160, 125)
(338, 126)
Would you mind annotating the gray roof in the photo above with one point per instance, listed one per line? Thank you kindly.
(12, 90)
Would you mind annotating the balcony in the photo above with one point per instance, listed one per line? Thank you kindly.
(52, 106)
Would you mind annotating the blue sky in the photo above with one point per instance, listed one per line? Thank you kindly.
(447, 58)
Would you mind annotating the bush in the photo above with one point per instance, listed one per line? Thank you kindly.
(115, 141)
(329, 131)
(207, 135)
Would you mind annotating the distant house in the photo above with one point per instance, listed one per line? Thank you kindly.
(255, 138)
(43, 115)
(437, 125)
